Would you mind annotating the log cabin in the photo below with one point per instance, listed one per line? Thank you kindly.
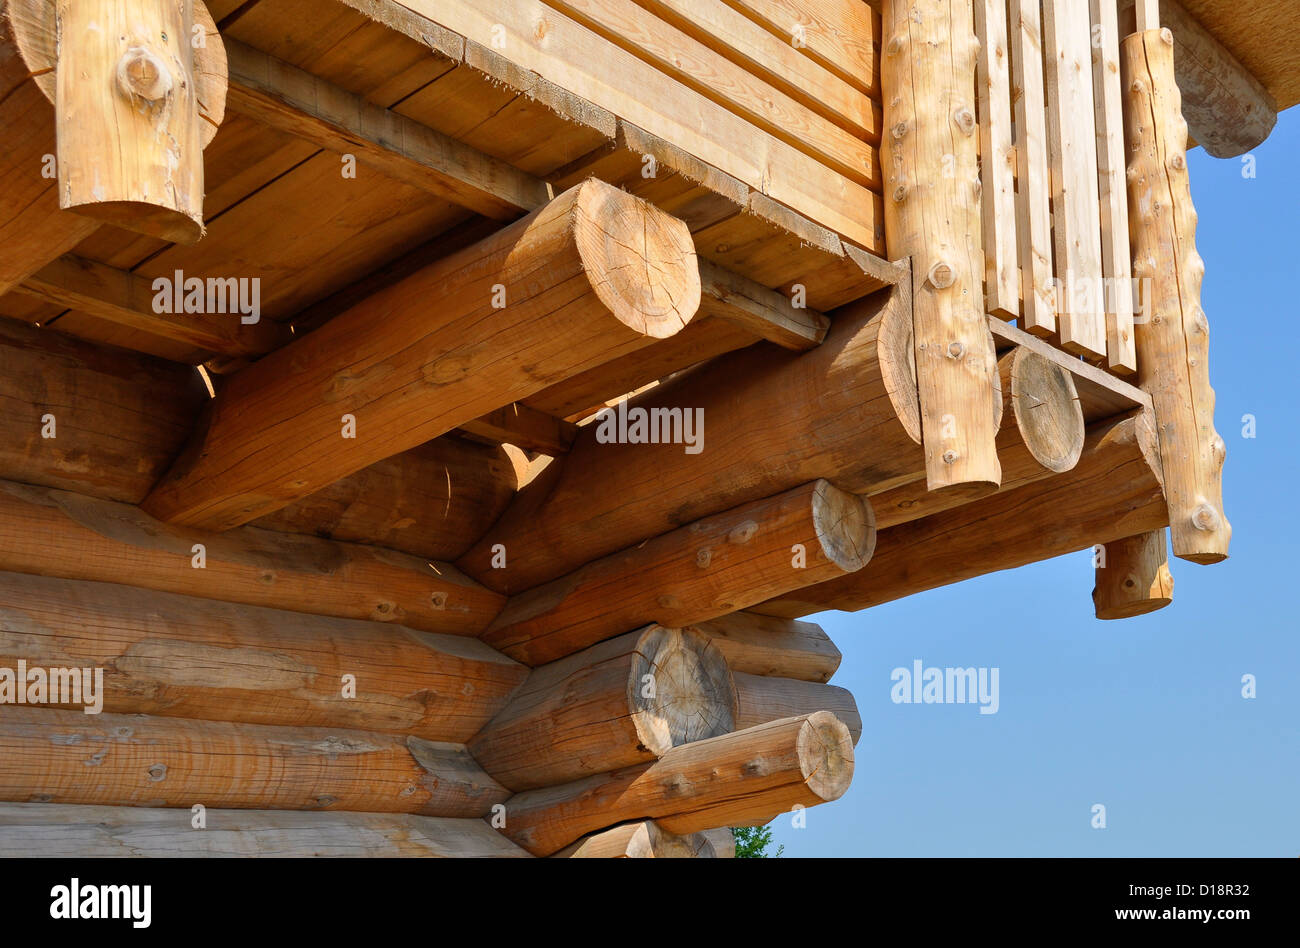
(427, 425)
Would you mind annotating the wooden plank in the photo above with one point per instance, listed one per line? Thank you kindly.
(841, 35)
(997, 161)
(775, 59)
(525, 427)
(1148, 15)
(570, 55)
(69, 831)
(1073, 149)
(288, 98)
(1112, 189)
(1033, 207)
(128, 299)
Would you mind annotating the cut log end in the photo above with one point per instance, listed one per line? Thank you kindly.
(647, 840)
(845, 525)
(1134, 577)
(1046, 406)
(825, 749)
(679, 688)
(178, 226)
(641, 261)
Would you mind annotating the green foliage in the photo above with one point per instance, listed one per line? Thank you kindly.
(752, 842)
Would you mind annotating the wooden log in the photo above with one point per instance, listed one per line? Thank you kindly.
(1228, 110)
(645, 840)
(1133, 577)
(133, 97)
(118, 418)
(193, 658)
(432, 501)
(524, 427)
(33, 231)
(740, 778)
(1042, 434)
(622, 702)
(765, 313)
(571, 280)
(697, 572)
(762, 645)
(761, 698)
(1173, 337)
(49, 756)
(845, 411)
(929, 159)
(1113, 492)
(49, 831)
(55, 533)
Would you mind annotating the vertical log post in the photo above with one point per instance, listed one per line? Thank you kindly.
(1172, 337)
(1133, 577)
(929, 154)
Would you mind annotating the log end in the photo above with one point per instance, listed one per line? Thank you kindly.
(825, 749)
(640, 260)
(1134, 577)
(680, 689)
(1046, 406)
(154, 220)
(845, 525)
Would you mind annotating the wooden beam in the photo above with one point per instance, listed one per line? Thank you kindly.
(563, 286)
(765, 313)
(764, 698)
(432, 501)
(54, 831)
(860, 433)
(700, 571)
(139, 760)
(33, 230)
(178, 656)
(805, 761)
(645, 840)
(55, 533)
(292, 100)
(127, 299)
(932, 214)
(1113, 492)
(82, 417)
(1133, 576)
(524, 427)
(1228, 110)
(625, 701)
(762, 645)
(1173, 338)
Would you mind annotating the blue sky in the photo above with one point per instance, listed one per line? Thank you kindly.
(1144, 715)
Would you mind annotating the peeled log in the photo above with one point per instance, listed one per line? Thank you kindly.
(622, 702)
(763, 645)
(738, 779)
(1042, 434)
(56, 533)
(845, 411)
(49, 756)
(572, 276)
(1113, 492)
(1133, 578)
(645, 840)
(99, 832)
(119, 418)
(929, 157)
(1173, 345)
(707, 569)
(434, 500)
(762, 698)
(194, 658)
(135, 101)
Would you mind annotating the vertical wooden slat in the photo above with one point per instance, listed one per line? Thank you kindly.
(1148, 15)
(1073, 148)
(1121, 355)
(1033, 212)
(998, 196)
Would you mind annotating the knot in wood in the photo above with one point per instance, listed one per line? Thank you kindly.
(900, 193)
(950, 456)
(1206, 518)
(1166, 36)
(438, 600)
(964, 120)
(142, 73)
(1177, 162)
(956, 350)
(743, 533)
(703, 558)
(899, 129)
(158, 773)
(1137, 87)
(941, 275)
